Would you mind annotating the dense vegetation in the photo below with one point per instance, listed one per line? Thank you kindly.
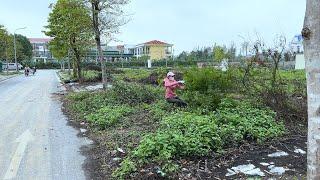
(223, 112)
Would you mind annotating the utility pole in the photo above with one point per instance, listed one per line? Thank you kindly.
(15, 48)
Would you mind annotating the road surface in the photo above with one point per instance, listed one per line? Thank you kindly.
(35, 140)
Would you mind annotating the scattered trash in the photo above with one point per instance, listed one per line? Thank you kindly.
(230, 172)
(278, 170)
(264, 164)
(255, 172)
(248, 169)
(243, 168)
(161, 173)
(116, 159)
(299, 151)
(143, 170)
(185, 170)
(83, 130)
(278, 154)
(82, 123)
(121, 150)
(95, 87)
(271, 166)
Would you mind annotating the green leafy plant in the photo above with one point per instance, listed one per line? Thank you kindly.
(127, 166)
(108, 115)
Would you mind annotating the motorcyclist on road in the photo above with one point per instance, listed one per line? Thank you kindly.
(34, 70)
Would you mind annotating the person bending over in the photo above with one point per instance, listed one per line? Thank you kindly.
(171, 85)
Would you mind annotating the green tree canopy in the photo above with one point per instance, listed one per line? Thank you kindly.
(70, 22)
(4, 37)
(25, 47)
(218, 53)
(58, 48)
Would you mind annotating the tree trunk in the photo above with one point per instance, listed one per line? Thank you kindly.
(311, 35)
(69, 65)
(95, 20)
(7, 65)
(74, 68)
(77, 64)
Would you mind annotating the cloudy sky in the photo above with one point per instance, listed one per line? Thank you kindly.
(188, 24)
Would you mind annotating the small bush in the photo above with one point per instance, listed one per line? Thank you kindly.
(127, 166)
(92, 76)
(210, 79)
(134, 93)
(181, 134)
(108, 116)
(160, 108)
(245, 122)
(84, 103)
(206, 87)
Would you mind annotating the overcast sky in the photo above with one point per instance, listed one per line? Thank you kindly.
(187, 24)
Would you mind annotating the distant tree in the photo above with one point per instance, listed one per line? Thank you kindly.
(182, 56)
(4, 38)
(70, 22)
(4, 43)
(231, 52)
(107, 18)
(25, 47)
(59, 49)
(218, 53)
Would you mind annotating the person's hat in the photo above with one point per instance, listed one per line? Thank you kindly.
(170, 74)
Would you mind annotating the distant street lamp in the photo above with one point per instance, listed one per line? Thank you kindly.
(15, 49)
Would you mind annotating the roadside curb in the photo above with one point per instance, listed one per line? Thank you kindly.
(7, 78)
(59, 77)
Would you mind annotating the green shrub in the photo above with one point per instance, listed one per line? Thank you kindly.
(192, 134)
(160, 108)
(181, 134)
(134, 93)
(108, 115)
(210, 79)
(202, 102)
(242, 121)
(84, 103)
(206, 87)
(127, 166)
(92, 76)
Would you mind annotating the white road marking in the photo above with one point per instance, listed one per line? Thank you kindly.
(23, 141)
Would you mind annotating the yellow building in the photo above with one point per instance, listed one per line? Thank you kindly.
(154, 50)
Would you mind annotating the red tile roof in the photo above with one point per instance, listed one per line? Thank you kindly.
(39, 40)
(120, 46)
(156, 42)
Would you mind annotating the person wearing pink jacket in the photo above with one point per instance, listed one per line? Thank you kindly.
(171, 85)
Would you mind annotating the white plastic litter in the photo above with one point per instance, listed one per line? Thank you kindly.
(264, 164)
(278, 170)
(120, 150)
(299, 151)
(278, 154)
(248, 169)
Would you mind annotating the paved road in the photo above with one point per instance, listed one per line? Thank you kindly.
(35, 141)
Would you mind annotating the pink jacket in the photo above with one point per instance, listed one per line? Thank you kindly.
(170, 87)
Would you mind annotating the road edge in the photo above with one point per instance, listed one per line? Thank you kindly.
(6, 79)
